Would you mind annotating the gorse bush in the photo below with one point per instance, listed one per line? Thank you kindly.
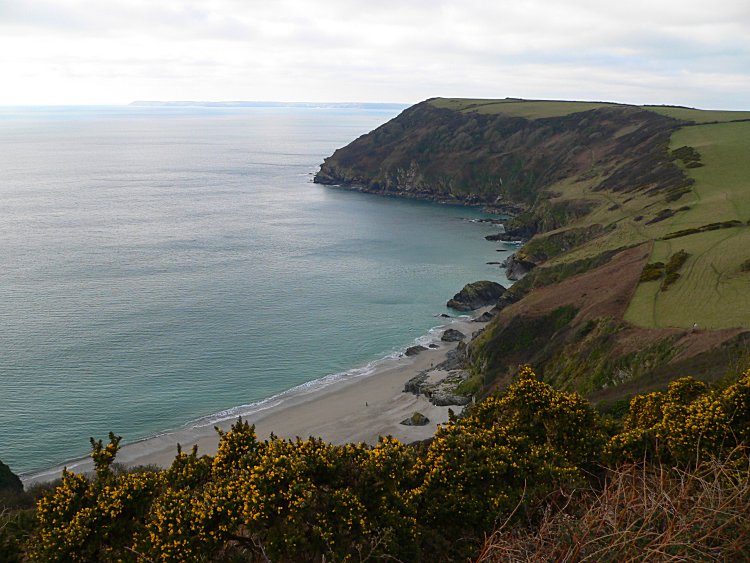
(308, 500)
(686, 423)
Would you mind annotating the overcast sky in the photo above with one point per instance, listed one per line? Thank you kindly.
(686, 52)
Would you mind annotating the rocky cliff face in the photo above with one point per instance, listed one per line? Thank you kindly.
(475, 295)
(565, 178)
(441, 154)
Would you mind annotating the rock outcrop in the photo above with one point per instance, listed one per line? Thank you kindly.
(500, 160)
(440, 386)
(516, 268)
(417, 419)
(452, 335)
(9, 481)
(475, 295)
(414, 350)
(485, 317)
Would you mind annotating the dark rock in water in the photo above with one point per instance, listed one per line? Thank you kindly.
(516, 268)
(476, 295)
(414, 350)
(452, 335)
(417, 419)
(485, 317)
(444, 316)
(494, 263)
(524, 232)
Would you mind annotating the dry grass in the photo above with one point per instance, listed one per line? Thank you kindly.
(644, 513)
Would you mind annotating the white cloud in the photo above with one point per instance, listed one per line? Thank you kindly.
(86, 51)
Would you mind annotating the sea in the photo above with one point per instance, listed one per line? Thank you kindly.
(161, 267)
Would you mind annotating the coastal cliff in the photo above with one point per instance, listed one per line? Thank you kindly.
(435, 151)
(600, 194)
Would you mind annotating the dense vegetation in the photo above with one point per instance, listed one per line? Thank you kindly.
(508, 465)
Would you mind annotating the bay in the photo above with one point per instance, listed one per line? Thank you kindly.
(161, 265)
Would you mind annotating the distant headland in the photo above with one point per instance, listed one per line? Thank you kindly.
(267, 104)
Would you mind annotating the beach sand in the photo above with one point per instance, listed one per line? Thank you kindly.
(356, 409)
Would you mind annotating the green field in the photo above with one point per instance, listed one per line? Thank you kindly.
(536, 109)
(699, 115)
(528, 109)
(712, 290)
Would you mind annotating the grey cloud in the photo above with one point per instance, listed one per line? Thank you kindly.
(405, 50)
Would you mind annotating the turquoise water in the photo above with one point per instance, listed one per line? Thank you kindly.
(163, 265)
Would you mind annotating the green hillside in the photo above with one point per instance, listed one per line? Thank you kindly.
(635, 220)
(698, 115)
(528, 109)
(713, 290)
(636, 223)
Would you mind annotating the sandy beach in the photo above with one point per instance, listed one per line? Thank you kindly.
(356, 409)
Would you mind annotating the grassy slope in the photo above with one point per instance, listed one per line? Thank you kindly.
(537, 109)
(529, 109)
(699, 116)
(712, 291)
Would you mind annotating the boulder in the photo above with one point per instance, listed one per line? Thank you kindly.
(415, 384)
(485, 317)
(475, 295)
(444, 398)
(442, 392)
(417, 419)
(452, 335)
(414, 350)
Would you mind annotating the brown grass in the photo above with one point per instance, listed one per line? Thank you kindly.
(644, 513)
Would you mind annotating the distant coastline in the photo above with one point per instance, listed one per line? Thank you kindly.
(266, 104)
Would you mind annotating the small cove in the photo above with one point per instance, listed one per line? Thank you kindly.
(164, 265)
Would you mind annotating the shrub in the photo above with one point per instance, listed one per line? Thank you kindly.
(675, 263)
(653, 271)
(685, 423)
(500, 463)
(644, 513)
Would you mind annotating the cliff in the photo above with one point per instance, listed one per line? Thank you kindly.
(606, 198)
(435, 152)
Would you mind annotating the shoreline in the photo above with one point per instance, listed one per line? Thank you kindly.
(357, 408)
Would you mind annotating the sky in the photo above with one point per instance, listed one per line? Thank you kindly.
(681, 52)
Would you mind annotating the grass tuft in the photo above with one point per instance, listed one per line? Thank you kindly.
(643, 513)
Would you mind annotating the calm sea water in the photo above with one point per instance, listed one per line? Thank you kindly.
(161, 265)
